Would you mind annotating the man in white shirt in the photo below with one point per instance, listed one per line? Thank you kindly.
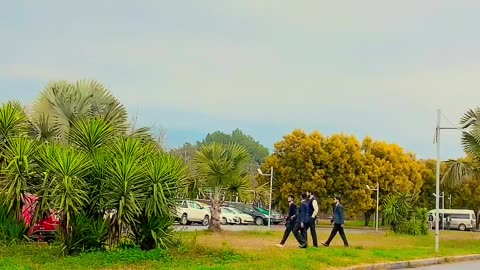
(312, 214)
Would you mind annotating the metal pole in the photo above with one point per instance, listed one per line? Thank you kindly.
(437, 185)
(443, 208)
(376, 217)
(270, 203)
(450, 200)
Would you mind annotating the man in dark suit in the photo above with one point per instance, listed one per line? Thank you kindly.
(290, 222)
(338, 222)
(312, 217)
(300, 224)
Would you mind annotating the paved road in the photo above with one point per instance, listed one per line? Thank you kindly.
(322, 229)
(456, 266)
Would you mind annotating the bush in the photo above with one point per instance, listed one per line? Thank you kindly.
(402, 217)
(87, 234)
(154, 232)
(11, 230)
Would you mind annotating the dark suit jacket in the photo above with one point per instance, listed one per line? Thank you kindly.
(292, 212)
(302, 216)
(338, 216)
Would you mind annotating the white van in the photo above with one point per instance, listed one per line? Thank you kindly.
(461, 219)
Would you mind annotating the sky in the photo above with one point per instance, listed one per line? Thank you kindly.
(376, 68)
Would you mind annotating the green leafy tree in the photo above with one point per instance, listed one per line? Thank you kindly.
(221, 169)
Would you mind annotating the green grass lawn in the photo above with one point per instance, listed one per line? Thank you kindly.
(247, 250)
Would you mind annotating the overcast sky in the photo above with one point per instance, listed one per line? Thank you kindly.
(378, 68)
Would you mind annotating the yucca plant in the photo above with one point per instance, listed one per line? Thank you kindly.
(19, 173)
(223, 170)
(13, 121)
(66, 169)
(124, 189)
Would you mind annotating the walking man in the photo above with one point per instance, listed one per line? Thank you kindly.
(290, 222)
(312, 217)
(338, 222)
(430, 222)
(300, 224)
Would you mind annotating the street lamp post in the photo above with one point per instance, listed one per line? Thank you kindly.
(378, 196)
(270, 202)
(437, 182)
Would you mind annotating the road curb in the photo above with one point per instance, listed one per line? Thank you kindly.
(416, 263)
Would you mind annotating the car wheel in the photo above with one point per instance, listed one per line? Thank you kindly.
(462, 227)
(206, 221)
(259, 221)
(184, 219)
(239, 221)
(224, 221)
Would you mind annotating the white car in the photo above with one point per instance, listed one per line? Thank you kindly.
(243, 218)
(227, 216)
(191, 211)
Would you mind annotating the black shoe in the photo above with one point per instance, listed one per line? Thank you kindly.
(325, 245)
(303, 246)
(346, 245)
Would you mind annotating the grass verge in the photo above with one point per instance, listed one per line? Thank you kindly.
(248, 250)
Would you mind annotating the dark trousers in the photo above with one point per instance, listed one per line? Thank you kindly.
(288, 230)
(298, 232)
(313, 231)
(337, 228)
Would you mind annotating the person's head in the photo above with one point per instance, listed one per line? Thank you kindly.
(304, 196)
(337, 199)
(308, 193)
(290, 198)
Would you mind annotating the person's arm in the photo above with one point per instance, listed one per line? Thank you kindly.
(315, 208)
(342, 218)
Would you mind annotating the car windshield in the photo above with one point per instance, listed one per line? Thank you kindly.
(236, 211)
(226, 210)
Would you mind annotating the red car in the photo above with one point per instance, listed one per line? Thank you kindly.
(44, 229)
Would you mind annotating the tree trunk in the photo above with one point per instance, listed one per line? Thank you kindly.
(215, 221)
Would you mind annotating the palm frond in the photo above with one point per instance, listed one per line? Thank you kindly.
(457, 172)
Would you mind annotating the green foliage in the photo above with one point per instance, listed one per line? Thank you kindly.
(256, 151)
(19, 172)
(221, 169)
(12, 231)
(13, 121)
(402, 217)
(63, 103)
(152, 232)
(83, 160)
(87, 234)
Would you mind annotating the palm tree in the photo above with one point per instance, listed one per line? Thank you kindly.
(222, 170)
(461, 170)
(63, 103)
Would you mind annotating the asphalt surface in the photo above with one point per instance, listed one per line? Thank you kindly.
(236, 228)
(454, 266)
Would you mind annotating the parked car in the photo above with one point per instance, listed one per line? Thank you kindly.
(43, 229)
(276, 216)
(227, 216)
(258, 217)
(188, 211)
(242, 217)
